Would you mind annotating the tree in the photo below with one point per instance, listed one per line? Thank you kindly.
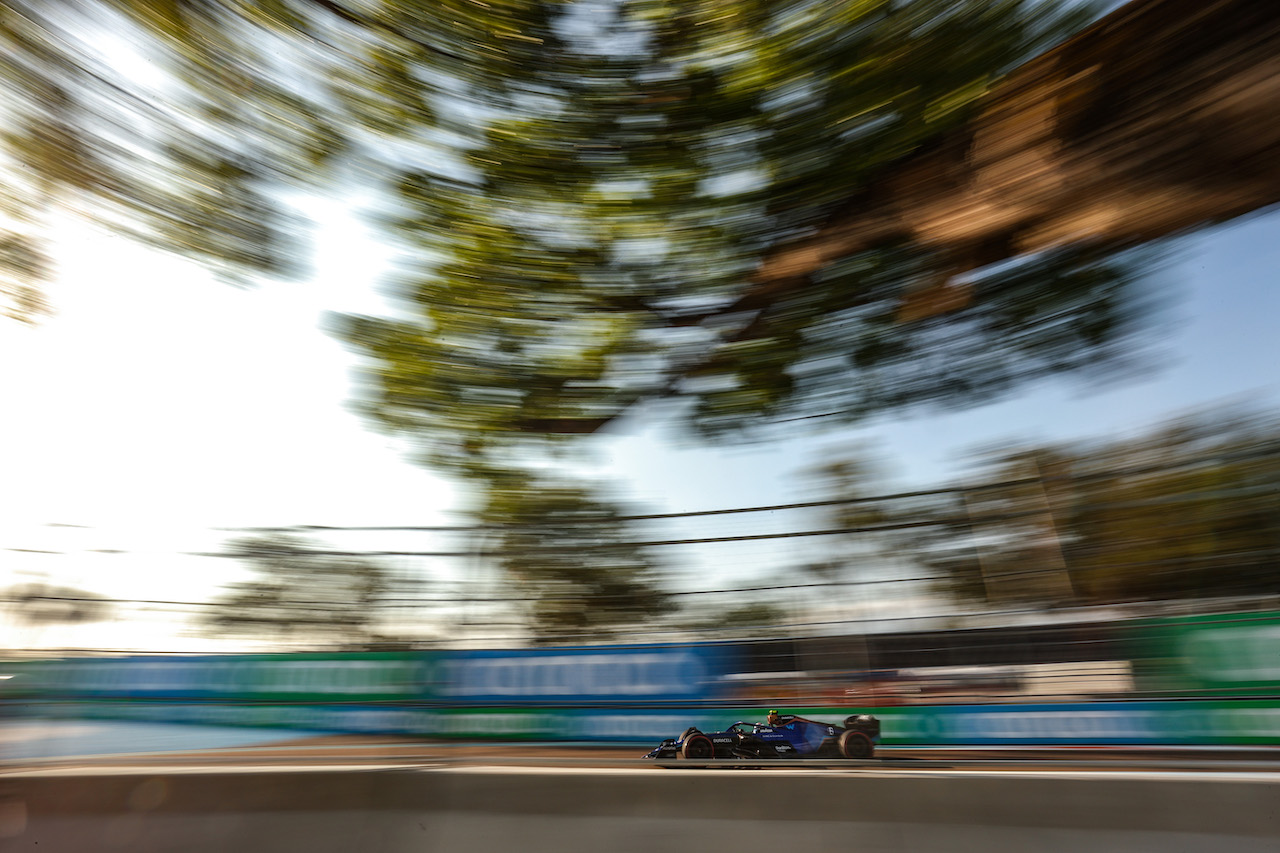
(594, 249)
(598, 248)
(586, 194)
(1187, 511)
(852, 481)
(44, 604)
(571, 558)
(1013, 541)
(1157, 120)
(749, 619)
(41, 606)
(613, 174)
(194, 162)
(301, 593)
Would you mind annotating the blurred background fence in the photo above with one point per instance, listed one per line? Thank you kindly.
(1057, 583)
(1181, 680)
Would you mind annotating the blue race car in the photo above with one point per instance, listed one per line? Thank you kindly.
(784, 736)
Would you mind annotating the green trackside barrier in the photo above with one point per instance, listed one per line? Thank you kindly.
(351, 677)
(1235, 654)
(1189, 722)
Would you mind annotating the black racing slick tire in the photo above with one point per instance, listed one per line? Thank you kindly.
(855, 744)
(698, 747)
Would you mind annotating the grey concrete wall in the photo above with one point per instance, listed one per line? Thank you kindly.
(649, 809)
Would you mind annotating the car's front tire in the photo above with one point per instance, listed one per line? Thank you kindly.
(698, 747)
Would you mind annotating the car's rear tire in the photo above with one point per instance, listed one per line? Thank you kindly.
(855, 744)
(698, 747)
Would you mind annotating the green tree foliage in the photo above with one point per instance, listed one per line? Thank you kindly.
(585, 190)
(852, 480)
(596, 244)
(300, 593)
(190, 154)
(749, 619)
(47, 604)
(571, 558)
(23, 265)
(592, 246)
(1012, 531)
(1188, 511)
(1199, 517)
(585, 193)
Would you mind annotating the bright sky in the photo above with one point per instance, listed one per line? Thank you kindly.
(158, 404)
(157, 393)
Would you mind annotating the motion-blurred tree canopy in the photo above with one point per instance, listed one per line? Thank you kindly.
(45, 604)
(570, 558)
(301, 593)
(1187, 511)
(583, 191)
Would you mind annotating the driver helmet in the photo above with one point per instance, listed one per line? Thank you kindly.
(774, 718)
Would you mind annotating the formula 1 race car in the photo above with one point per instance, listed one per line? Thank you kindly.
(784, 736)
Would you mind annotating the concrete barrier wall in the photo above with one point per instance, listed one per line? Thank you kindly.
(564, 811)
